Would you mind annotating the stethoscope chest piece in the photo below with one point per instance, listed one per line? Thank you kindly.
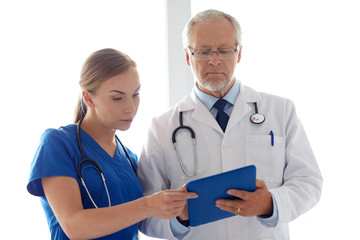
(257, 118)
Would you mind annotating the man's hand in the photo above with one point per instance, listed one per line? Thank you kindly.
(258, 203)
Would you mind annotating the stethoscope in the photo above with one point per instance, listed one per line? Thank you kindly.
(97, 166)
(256, 118)
(192, 133)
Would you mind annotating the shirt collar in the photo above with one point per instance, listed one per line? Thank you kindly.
(209, 100)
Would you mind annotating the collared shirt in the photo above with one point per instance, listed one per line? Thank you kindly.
(209, 100)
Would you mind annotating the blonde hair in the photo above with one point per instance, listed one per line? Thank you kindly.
(97, 68)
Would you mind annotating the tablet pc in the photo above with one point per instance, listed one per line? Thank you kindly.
(202, 210)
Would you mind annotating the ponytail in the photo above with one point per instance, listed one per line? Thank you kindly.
(80, 110)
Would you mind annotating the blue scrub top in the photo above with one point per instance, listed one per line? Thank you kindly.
(58, 155)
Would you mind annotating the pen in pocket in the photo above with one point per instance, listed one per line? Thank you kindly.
(272, 138)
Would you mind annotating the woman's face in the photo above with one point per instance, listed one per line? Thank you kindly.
(117, 100)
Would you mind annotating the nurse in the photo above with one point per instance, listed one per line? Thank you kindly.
(111, 210)
(235, 126)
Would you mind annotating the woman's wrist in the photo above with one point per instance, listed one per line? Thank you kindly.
(144, 206)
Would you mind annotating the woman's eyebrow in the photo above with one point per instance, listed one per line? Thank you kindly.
(120, 92)
(117, 91)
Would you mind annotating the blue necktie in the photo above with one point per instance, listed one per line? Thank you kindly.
(222, 118)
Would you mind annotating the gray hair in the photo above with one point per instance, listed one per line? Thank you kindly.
(207, 16)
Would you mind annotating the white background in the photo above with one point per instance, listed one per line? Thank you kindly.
(306, 50)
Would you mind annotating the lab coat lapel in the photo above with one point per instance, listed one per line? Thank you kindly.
(241, 107)
(200, 112)
(203, 115)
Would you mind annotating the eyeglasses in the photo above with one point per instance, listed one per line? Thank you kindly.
(222, 53)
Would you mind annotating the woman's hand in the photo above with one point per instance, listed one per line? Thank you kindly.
(169, 204)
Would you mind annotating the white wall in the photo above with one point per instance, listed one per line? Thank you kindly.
(178, 75)
(42, 47)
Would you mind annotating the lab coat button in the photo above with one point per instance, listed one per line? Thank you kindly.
(226, 147)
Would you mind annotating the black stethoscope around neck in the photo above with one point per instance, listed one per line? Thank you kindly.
(256, 118)
(192, 133)
(97, 166)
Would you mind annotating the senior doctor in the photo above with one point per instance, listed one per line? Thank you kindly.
(261, 130)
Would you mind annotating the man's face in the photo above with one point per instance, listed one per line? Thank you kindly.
(214, 76)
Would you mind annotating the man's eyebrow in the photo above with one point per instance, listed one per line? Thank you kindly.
(223, 45)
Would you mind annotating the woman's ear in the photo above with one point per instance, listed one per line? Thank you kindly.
(88, 99)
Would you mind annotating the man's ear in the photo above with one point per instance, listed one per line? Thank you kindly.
(88, 99)
(239, 54)
(187, 57)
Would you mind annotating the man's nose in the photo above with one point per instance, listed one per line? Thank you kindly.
(214, 59)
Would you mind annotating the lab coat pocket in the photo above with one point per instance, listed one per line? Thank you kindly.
(268, 155)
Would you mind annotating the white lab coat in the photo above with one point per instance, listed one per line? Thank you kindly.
(288, 168)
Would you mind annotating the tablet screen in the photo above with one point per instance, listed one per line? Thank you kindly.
(202, 210)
